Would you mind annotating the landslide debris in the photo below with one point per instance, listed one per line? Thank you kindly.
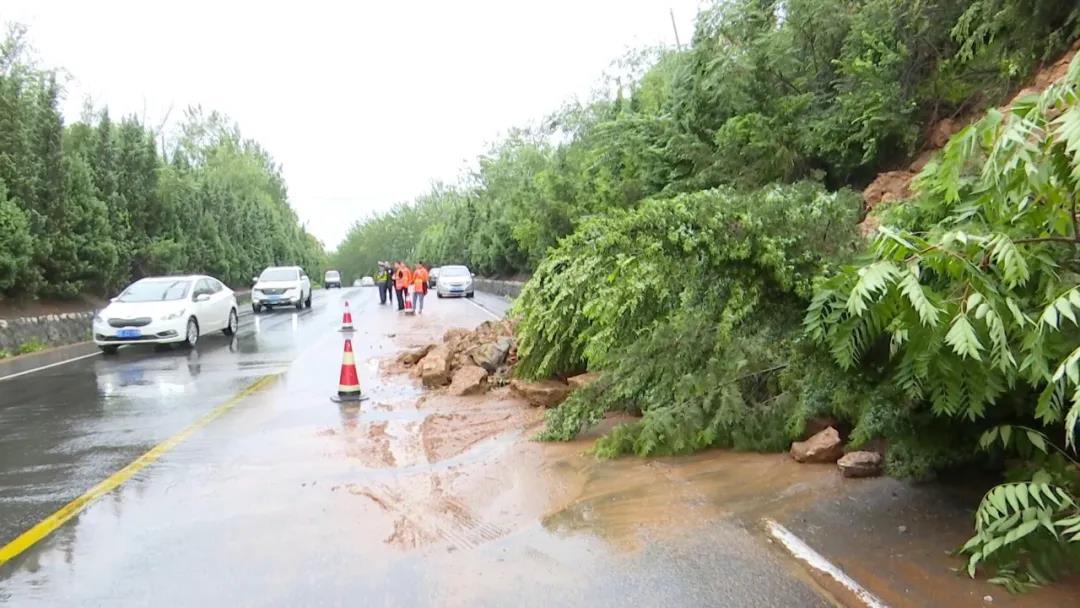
(470, 362)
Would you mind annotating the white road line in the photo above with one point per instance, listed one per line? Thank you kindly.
(804, 552)
(491, 314)
(38, 369)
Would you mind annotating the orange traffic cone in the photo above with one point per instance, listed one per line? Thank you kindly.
(346, 319)
(349, 382)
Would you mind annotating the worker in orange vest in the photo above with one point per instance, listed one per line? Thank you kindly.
(402, 279)
(420, 287)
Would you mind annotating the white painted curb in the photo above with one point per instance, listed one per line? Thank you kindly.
(802, 551)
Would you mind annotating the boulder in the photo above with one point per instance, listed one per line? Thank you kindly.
(454, 335)
(860, 464)
(435, 367)
(469, 380)
(822, 447)
(410, 357)
(817, 424)
(492, 354)
(582, 380)
(544, 393)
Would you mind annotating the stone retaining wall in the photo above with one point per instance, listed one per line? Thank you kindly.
(510, 289)
(50, 330)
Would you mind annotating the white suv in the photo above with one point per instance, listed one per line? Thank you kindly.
(281, 286)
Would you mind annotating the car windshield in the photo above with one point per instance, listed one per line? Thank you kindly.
(278, 274)
(453, 271)
(155, 291)
(332, 274)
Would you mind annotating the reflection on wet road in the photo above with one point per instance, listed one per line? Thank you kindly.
(68, 427)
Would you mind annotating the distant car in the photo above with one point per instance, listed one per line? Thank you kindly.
(357, 283)
(332, 279)
(281, 286)
(454, 281)
(367, 282)
(164, 310)
(433, 277)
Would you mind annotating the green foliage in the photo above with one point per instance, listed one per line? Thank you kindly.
(767, 91)
(722, 274)
(90, 206)
(30, 346)
(977, 287)
(975, 290)
(16, 244)
(1028, 531)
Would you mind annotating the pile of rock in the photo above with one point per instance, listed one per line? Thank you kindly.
(826, 447)
(469, 362)
(472, 362)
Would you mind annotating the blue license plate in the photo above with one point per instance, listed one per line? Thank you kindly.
(129, 333)
(272, 298)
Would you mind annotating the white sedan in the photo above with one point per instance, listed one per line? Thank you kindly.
(163, 310)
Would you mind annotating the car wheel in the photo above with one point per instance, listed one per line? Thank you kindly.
(300, 304)
(109, 349)
(230, 329)
(308, 301)
(439, 294)
(256, 309)
(191, 338)
(470, 294)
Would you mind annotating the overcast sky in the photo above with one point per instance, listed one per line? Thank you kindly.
(363, 103)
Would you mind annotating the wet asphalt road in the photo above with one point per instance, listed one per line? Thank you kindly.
(245, 512)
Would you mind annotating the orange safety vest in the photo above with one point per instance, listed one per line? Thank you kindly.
(399, 279)
(420, 279)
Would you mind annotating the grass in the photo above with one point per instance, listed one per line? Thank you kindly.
(30, 346)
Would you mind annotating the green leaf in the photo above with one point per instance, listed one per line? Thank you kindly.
(872, 280)
(913, 291)
(962, 338)
(1022, 495)
(1036, 440)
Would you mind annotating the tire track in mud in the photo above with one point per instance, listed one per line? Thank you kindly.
(438, 519)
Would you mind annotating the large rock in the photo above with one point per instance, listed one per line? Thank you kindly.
(860, 464)
(455, 334)
(545, 393)
(492, 355)
(410, 357)
(582, 380)
(822, 447)
(435, 367)
(469, 380)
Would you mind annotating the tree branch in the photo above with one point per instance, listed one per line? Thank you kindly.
(1050, 239)
(1075, 220)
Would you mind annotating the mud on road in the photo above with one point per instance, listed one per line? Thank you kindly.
(471, 473)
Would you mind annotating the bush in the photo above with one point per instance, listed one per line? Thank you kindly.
(691, 306)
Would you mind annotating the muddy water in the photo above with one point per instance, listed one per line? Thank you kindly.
(478, 478)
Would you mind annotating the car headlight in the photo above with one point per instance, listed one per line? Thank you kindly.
(174, 315)
(98, 318)
(257, 292)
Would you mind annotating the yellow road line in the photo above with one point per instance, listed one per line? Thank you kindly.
(46, 526)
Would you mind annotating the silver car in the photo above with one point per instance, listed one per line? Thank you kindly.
(454, 281)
